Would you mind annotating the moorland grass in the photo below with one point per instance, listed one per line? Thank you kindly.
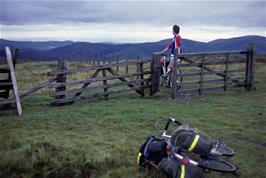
(101, 138)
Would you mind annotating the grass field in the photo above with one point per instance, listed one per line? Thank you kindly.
(101, 138)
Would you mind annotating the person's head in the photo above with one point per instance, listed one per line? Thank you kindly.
(176, 29)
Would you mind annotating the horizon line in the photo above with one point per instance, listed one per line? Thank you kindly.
(122, 42)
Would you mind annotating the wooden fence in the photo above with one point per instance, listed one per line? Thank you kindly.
(101, 80)
(214, 70)
(200, 72)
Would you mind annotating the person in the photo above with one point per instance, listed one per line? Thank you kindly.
(175, 44)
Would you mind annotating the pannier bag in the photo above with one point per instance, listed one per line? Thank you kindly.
(173, 168)
(153, 150)
(191, 139)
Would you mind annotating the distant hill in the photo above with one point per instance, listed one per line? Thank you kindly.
(36, 45)
(51, 50)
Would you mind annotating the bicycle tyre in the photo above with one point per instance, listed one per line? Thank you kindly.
(225, 150)
(179, 78)
(164, 79)
(218, 165)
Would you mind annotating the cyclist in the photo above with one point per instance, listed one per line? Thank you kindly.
(173, 45)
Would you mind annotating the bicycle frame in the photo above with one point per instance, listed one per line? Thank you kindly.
(166, 76)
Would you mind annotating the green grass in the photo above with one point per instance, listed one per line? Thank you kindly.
(101, 138)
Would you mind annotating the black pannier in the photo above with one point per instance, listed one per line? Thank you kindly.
(173, 168)
(191, 139)
(153, 150)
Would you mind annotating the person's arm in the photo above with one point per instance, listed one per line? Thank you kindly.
(178, 44)
(167, 47)
(165, 50)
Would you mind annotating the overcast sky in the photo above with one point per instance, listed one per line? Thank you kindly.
(130, 21)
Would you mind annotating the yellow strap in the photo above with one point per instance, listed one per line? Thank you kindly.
(194, 143)
(138, 158)
(182, 175)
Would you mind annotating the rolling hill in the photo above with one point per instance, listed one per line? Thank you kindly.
(51, 50)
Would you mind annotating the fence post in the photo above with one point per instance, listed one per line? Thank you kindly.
(141, 78)
(14, 60)
(61, 78)
(155, 73)
(117, 67)
(201, 75)
(249, 83)
(226, 72)
(104, 83)
(126, 70)
(138, 68)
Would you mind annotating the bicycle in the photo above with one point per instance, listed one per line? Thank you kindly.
(213, 161)
(166, 75)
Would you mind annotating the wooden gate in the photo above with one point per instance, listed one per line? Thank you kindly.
(214, 70)
(89, 82)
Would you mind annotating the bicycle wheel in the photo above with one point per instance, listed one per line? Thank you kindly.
(179, 78)
(224, 149)
(217, 164)
(164, 79)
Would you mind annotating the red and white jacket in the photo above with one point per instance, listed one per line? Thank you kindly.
(175, 44)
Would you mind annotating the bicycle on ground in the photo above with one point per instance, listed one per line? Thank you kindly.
(202, 152)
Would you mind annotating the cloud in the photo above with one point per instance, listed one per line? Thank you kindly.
(233, 13)
(131, 20)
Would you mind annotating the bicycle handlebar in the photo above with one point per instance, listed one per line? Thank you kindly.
(170, 119)
(186, 160)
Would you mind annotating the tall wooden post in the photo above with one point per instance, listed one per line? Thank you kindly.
(202, 75)
(250, 62)
(226, 72)
(117, 67)
(10, 60)
(61, 78)
(105, 83)
(126, 70)
(155, 73)
(141, 78)
(174, 77)
(14, 60)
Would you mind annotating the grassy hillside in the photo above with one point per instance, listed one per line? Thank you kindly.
(101, 138)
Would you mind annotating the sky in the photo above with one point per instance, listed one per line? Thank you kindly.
(130, 21)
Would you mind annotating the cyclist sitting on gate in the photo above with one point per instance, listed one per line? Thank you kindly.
(173, 45)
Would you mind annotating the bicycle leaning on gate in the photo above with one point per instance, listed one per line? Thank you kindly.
(167, 72)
